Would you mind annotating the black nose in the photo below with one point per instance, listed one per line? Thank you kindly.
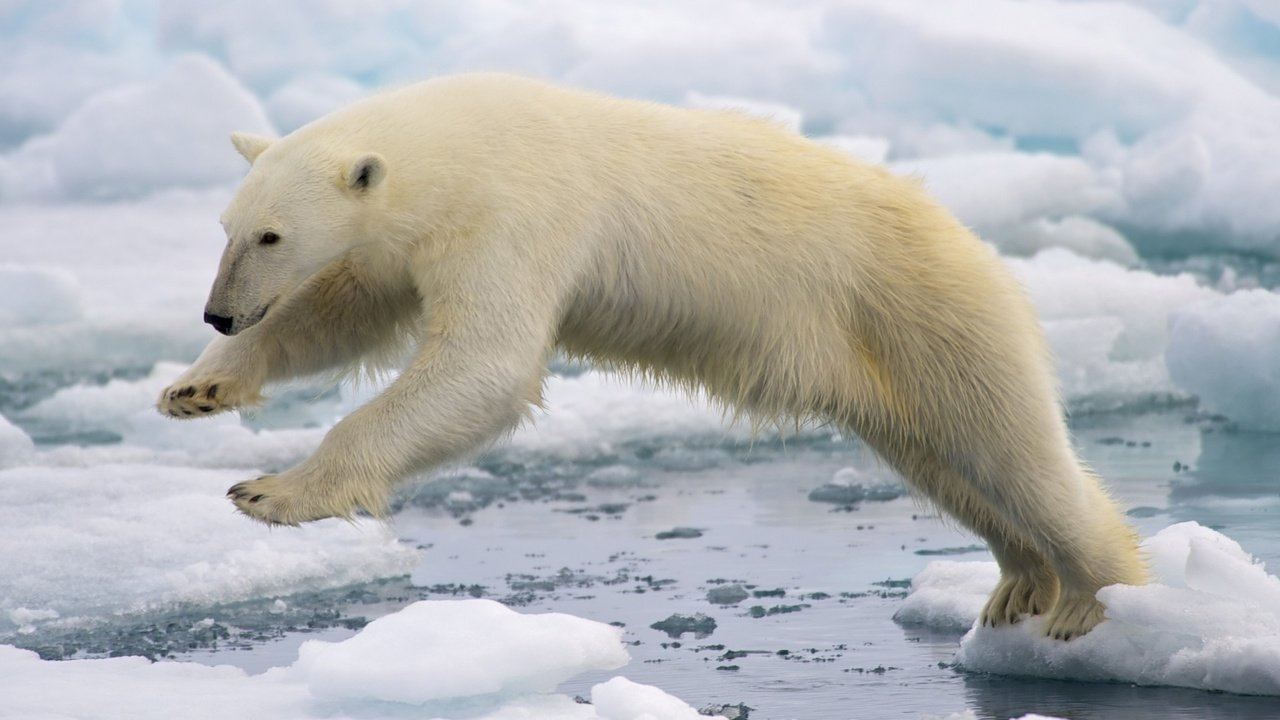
(219, 323)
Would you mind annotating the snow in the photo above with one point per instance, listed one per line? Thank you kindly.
(136, 535)
(594, 409)
(621, 699)
(1107, 326)
(1077, 233)
(1224, 349)
(1209, 620)
(948, 595)
(306, 98)
(1015, 187)
(123, 141)
(37, 295)
(787, 117)
(15, 445)
(438, 659)
(460, 649)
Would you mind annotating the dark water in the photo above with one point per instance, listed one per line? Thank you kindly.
(813, 637)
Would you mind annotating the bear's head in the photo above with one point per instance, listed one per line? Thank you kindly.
(299, 208)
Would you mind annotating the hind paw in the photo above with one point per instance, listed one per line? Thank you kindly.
(1074, 615)
(1017, 595)
(297, 496)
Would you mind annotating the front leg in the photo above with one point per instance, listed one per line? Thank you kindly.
(334, 319)
(479, 369)
(229, 374)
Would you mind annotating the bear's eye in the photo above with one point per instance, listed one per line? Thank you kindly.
(269, 238)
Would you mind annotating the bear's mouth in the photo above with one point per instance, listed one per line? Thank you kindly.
(257, 316)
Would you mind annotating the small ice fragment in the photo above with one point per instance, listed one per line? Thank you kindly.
(838, 494)
(26, 618)
(727, 595)
(738, 711)
(679, 533)
(849, 486)
(622, 699)
(613, 476)
(676, 625)
(962, 550)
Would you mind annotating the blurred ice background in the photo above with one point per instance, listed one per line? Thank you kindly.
(1122, 155)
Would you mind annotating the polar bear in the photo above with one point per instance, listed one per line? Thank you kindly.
(486, 220)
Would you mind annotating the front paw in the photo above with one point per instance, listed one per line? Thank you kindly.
(290, 499)
(203, 396)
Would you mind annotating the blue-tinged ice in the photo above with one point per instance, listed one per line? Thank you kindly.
(1210, 620)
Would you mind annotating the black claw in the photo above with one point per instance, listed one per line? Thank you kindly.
(255, 498)
(206, 408)
(187, 391)
(187, 412)
(212, 392)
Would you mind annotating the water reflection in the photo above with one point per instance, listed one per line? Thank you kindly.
(1231, 465)
(997, 697)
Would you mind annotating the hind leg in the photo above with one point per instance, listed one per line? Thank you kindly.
(1028, 584)
(1056, 534)
(1102, 550)
(1072, 523)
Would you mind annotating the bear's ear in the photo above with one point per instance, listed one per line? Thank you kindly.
(366, 172)
(250, 145)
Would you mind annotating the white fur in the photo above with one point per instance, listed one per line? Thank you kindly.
(504, 217)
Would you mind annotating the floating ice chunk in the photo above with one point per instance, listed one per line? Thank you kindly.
(1209, 620)
(1243, 31)
(1106, 325)
(934, 139)
(993, 190)
(16, 446)
(867, 148)
(785, 116)
(379, 43)
(1081, 235)
(621, 699)
(1196, 135)
(34, 295)
(1182, 93)
(133, 687)
(1165, 173)
(1176, 183)
(133, 139)
(948, 595)
(1061, 68)
(126, 408)
(25, 618)
(1224, 351)
(103, 407)
(447, 650)
(850, 485)
(472, 659)
(306, 98)
(58, 54)
(596, 408)
(123, 538)
(139, 272)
